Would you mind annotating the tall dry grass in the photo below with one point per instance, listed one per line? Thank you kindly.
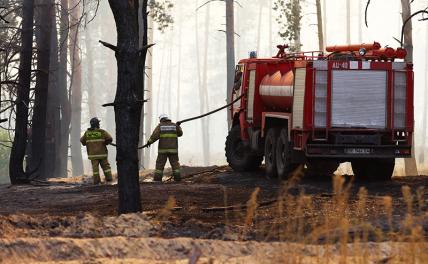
(345, 227)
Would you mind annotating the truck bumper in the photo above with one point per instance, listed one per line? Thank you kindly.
(357, 151)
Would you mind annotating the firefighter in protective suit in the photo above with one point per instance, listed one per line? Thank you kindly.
(167, 133)
(96, 141)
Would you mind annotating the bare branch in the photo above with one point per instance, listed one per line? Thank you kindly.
(365, 13)
(108, 45)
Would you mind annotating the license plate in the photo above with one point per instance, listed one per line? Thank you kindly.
(358, 151)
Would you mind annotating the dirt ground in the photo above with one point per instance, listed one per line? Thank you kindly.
(206, 217)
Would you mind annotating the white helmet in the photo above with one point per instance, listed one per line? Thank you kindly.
(163, 116)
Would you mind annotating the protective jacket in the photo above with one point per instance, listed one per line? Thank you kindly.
(96, 141)
(167, 133)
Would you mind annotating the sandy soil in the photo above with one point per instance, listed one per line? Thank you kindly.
(72, 221)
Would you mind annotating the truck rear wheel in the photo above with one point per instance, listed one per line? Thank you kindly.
(238, 155)
(270, 152)
(283, 155)
(318, 168)
(373, 169)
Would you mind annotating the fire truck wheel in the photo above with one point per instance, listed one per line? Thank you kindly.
(373, 169)
(238, 155)
(270, 152)
(283, 164)
(318, 169)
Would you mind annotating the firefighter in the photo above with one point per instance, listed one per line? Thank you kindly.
(96, 141)
(167, 133)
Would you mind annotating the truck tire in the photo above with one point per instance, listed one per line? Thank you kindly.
(283, 155)
(373, 169)
(238, 155)
(270, 152)
(318, 169)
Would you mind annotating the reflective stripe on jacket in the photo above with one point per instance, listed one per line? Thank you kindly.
(96, 141)
(167, 133)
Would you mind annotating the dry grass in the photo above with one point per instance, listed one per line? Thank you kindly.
(340, 226)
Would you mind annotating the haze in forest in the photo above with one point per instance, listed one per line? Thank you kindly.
(189, 63)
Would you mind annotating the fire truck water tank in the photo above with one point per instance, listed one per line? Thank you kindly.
(276, 91)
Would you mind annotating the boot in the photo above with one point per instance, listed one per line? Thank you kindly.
(177, 177)
(97, 180)
(157, 178)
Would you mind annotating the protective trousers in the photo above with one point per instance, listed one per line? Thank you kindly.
(96, 170)
(160, 165)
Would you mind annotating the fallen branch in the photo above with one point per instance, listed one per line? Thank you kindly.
(236, 207)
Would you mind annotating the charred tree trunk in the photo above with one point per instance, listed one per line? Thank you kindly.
(76, 91)
(149, 88)
(230, 51)
(127, 104)
(53, 114)
(43, 41)
(180, 40)
(16, 162)
(64, 124)
(410, 163)
(320, 26)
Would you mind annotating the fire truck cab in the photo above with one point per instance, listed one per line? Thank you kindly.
(353, 104)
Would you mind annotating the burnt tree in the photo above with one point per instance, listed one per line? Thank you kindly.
(43, 41)
(76, 90)
(64, 124)
(129, 100)
(16, 169)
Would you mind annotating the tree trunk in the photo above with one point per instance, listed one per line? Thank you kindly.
(203, 94)
(230, 51)
(43, 40)
(297, 42)
(149, 88)
(64, 125)
(348, 21)
(180, 40)
(53, 113)
(127, 104)
(320, 26)
(410, 163)
(143, 27)
(360, 21)
(324, 16)
(16, 162)
(425, 113)
(76, 91)
(92, 93)
(259, 27)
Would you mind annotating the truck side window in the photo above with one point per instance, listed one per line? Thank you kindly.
(238, 80)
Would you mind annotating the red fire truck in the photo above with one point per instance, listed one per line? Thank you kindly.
(353, 104)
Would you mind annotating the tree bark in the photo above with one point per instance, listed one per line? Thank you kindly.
(149, 88)
(64, 124)
(43, 41)
(16, 162)
(230, 51)
(53, 113)
(410, 163)
(76, 91)
(127, 104)
(92, 93)
(320, 26)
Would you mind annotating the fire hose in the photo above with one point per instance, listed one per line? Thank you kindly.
(197, 117)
